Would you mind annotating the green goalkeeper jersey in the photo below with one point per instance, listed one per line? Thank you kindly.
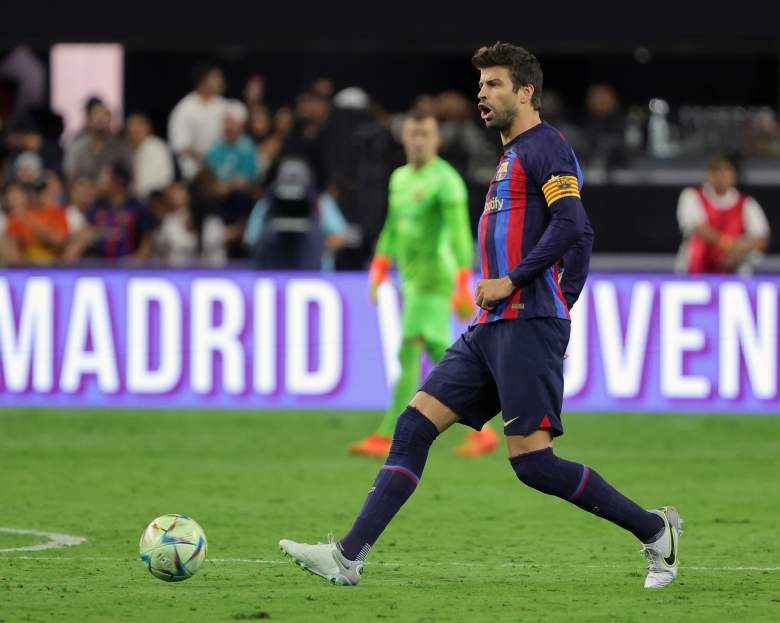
(427, 231)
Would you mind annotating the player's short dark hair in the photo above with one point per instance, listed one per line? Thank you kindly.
(524, 67)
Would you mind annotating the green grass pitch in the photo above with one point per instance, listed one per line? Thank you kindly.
(473, 544)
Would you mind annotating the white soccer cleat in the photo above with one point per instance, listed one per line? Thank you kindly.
(663, 554)
(324, 560)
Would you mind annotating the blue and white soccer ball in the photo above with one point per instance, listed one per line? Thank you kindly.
(173, 547)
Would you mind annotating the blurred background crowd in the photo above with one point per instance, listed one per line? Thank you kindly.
(232, 168)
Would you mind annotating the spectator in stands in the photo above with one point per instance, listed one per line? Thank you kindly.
(260, 130)
(764, 134)
(27, 168)
(293, 226)
(37, 231)
(254, 91)
(233, 158)
(270, 145)
(309, 138)
(176, 242)
(462, 138)
(195, 124)
(208, 207)
(83, 192)
(26, 136)
(366, 155)
(554, 113)
(4, 242)
(724, 230)
(53, 190)
(604, 127)
(284, 120)
(323, 87)
(152, 160)
(466, 146)
(119, 225)
(96, 146)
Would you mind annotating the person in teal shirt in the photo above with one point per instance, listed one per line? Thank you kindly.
(234, 158)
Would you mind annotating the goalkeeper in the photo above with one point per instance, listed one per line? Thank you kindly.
(428, 236)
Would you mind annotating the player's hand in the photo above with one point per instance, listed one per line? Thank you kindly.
(491, 291)
(462, 298)
(377, 273)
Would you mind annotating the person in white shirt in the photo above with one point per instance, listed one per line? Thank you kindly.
(176, 242)
(724, 230)
(152, 160)
(195, 124)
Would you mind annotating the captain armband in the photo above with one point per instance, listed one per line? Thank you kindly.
(560, 186)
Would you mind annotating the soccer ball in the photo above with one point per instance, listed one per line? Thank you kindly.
(173, 547)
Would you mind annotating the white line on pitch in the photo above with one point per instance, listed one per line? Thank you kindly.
(506, 565)
(55, 540)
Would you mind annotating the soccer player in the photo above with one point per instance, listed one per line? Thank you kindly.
(511, 358)
(427, 234)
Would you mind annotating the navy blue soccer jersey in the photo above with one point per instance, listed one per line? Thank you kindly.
(538, 169)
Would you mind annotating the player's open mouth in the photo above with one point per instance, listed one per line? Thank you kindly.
(484, 110)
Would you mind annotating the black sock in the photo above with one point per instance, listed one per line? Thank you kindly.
(583, 486)
(396, 481)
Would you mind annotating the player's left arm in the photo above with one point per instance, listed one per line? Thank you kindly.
(386, 247)
(555, 169)
(455, 215)
(576, 263)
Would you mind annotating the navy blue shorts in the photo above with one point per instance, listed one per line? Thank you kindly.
(509, 366)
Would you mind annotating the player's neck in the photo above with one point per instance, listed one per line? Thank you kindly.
(525, 120)
(421, 164)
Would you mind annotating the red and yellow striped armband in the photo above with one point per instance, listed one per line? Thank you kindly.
(560, 186)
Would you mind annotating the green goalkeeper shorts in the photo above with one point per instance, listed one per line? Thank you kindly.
(428, 316)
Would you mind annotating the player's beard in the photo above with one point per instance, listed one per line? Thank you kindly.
(502, 120)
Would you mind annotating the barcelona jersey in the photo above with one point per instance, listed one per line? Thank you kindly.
(537, 169)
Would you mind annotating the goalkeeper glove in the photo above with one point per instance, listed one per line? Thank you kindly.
(463, 297)
(377, 273)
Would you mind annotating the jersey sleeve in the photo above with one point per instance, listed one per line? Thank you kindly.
(386, 245)
(455, 215)
(555, 170)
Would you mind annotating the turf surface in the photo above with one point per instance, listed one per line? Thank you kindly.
(471, 545)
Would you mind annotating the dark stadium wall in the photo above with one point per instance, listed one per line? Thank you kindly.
(694, 27)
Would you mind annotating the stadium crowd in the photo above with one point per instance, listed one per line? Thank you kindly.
(303, 186)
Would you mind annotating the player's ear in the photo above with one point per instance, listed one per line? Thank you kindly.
(526, 93)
